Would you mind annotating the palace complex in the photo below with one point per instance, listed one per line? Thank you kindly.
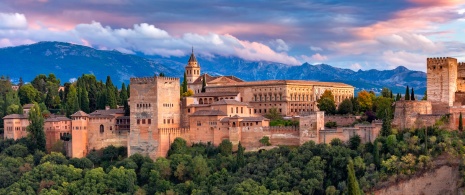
(222, 107)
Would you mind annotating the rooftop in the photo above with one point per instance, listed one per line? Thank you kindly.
(283, 82)
(246, 119)
(16, 116)
(79, 113)
(229, 102)
(209, 113)
(215, 94)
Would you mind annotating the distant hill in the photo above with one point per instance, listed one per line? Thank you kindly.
(69, 61)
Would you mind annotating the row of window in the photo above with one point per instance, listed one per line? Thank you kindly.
(168, 105)
(168, 121)
(139, 121)
(196, 72)
(242, 110)
(16, 128)
(144, 105)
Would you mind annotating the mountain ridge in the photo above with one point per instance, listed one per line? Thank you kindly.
(68, 61)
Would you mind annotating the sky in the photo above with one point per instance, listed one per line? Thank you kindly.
(356, 34)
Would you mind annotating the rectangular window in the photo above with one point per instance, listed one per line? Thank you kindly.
(242, 109)
(149, 121)
(232, 110)
(199, 123)
(143, 121)
(138, 121)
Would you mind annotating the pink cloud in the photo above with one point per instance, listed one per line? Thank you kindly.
(319, 57)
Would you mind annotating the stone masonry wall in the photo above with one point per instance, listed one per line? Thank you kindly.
(341, 120)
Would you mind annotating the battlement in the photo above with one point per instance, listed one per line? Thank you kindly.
(439, 60)
(173, 131)
(142, 80)
(145, 80)
(461, 64)
(281, 128)
(167, 78)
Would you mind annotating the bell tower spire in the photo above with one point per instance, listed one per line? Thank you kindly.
(192, 68)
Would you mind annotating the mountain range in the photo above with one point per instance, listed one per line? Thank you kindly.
(69, 61)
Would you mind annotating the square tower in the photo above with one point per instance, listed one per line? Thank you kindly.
(441, 79)
(154, 104)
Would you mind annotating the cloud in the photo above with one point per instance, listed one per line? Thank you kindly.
(150, 40)
(279, 45)
(355, 66)
(403, 58)
(313, 48)
(319, 57)
(12, 21)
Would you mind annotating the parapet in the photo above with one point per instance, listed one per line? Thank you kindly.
(461, 64)
(440, 60)
(141, 80)
(167, 78)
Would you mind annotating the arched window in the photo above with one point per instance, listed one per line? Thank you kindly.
(101, 129)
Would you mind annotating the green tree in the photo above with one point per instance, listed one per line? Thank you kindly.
(110, 93)
(412, 96)
(383, 107)
(327, 105)
(36, 134)
(273, 114)
(376, 159)
(353, 187)
(124, 98)
(249, 186)
(425, 96)
(386, 127)
(354, 142)
(179, 146)
(204, 83)
(225, 147)
(72, 104)
(345, 107)
(28, 94)
(460, 122)
(407, 93)
(184, 84)
(240, 160)
(386, 92)
(265, 141)
(84, 100)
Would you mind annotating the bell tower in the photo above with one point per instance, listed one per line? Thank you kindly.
(192, 68)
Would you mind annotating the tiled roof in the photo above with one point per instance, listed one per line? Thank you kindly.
(209, 113)
(211, 78)
(229, 102)
(246, 119)
(80, 113)
(16, 116)
(57, 119)
(192, 57)
(108, 112)
(28, 106)
(216, 94)
(283, 82)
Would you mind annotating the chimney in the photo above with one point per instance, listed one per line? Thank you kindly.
(107, 107)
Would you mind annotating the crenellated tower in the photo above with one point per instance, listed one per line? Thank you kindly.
(192, 69)
(442, 79)
(461, 77)
(154, 104)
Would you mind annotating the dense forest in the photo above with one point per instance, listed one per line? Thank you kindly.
(335, 168)
(340, 167)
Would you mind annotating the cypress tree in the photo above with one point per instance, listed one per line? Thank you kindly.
(460, 122)
(425, 96)
(110, 95)
(84, 100)
(386, 127)
(72, 104)
(184, 84)
(240, 156)
(392, 96)
(204, 83)
(129, 91)
(412, 96)
(407, 95)
(376, 158)
(124, 98)
(36, 128)
(353, 187)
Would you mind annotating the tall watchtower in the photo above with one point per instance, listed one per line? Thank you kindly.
(192, 69)
(154, 104)
(441, 79)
